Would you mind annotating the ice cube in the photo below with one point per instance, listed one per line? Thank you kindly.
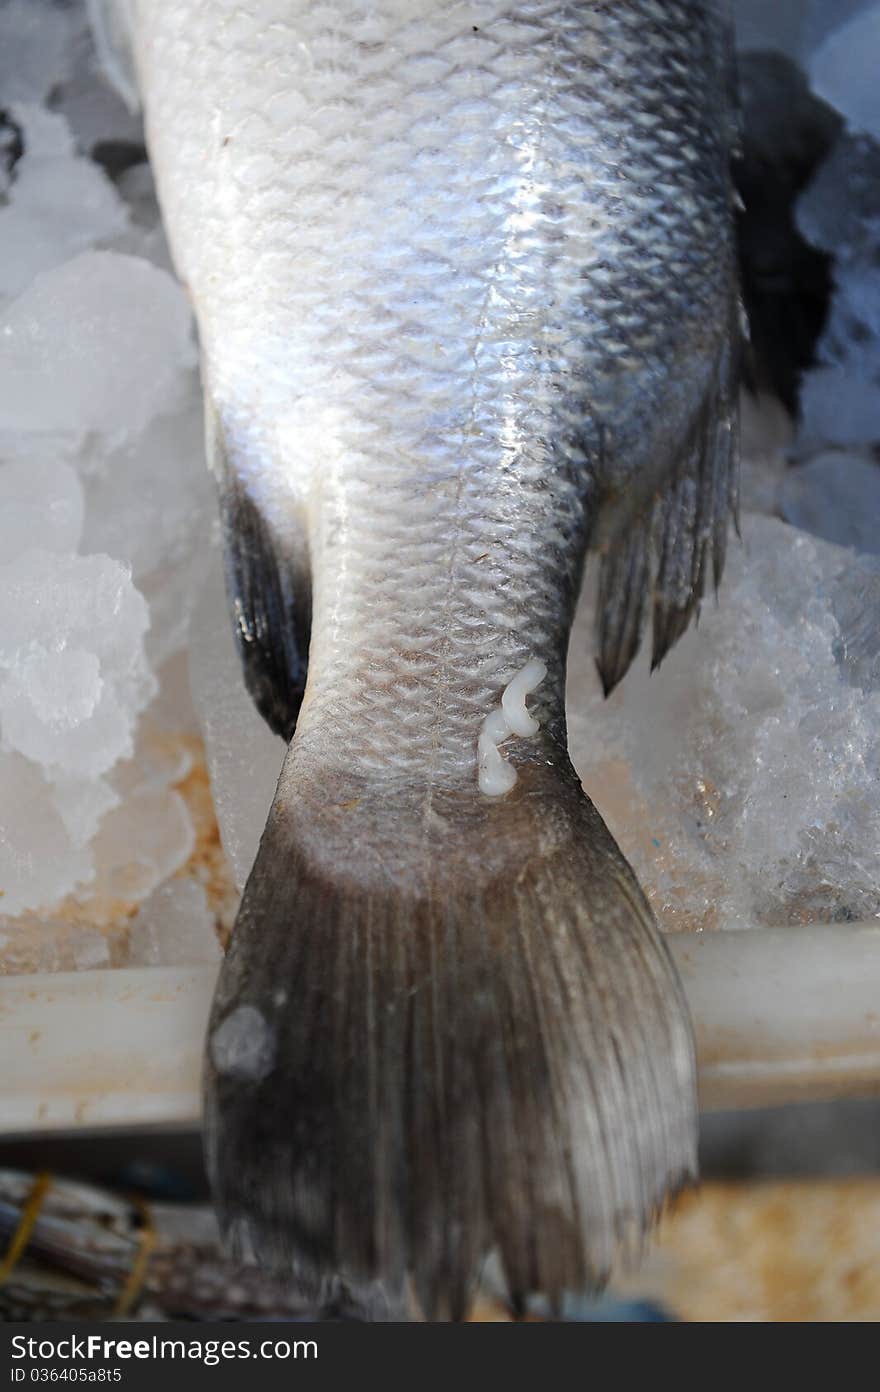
(95, 111)
(766, 434)
(761, 27)
(39, 861)
(140, 844)
(741, 777)
(73, 672)
(82, 804)
(41, 506)
(835, 496)
(175, 927)
(138, 187)
(37, 41)
(791, 27)
(843, 69)
(103, 343)
(153, 503)
(839, 211)
(244, 757)
(838, 407)
(173, 711)
(855, 600)
(59, 203)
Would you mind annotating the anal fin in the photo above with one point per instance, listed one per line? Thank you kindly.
(269, 596)
(663, 555)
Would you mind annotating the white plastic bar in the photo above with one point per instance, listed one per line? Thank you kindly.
(784, 1014)
(102, 1048)
(781, 1015)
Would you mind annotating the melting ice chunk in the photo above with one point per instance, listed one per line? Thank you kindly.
(41, 506)
(39, 862)
(73, 673)
(37, 44)
(152, 503)
(835, 496)
(175, 927)
(741, 778)
(58, 204)
(839, 407)
(140, 843)
(840, 209)
(843, 69)
(111, 334)
(244, 757)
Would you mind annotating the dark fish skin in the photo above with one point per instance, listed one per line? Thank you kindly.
(464, 276)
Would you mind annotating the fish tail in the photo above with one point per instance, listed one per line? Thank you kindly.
(478, 1046)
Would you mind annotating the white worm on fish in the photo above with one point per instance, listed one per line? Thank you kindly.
(496, 776)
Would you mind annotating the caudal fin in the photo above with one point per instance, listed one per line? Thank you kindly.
(413, 1062)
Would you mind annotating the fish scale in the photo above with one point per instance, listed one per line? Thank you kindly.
(463, 275)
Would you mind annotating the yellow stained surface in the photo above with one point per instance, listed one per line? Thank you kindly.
(771, 1251)
(795, 1250)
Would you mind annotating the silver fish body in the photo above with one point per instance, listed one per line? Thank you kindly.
(464, 282)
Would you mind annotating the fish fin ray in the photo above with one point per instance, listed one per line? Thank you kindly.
(661, 560)
(269, 599)
(465, 1068)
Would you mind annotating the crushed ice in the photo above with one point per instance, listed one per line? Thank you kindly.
(105, 515)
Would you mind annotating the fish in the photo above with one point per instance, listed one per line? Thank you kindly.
(466, 294)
